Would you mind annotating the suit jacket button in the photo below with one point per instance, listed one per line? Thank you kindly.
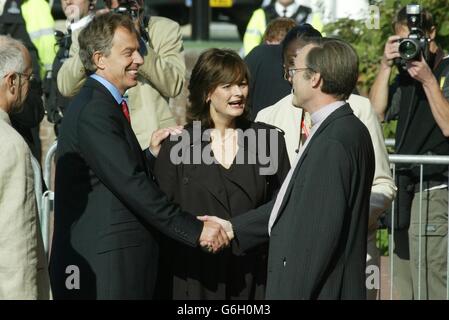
(185, 180)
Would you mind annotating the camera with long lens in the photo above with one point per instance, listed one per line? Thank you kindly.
(416, 44)
(128, 7)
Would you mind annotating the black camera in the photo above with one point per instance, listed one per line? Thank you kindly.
(64, 41)
(417, 43)
(129, 7)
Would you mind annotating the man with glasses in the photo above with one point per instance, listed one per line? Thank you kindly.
(17, 21)
(296, 125)
(23, 265)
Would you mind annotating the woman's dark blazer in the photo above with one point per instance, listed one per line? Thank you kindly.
(198, 188)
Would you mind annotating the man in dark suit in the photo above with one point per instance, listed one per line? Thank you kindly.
(104, 244)
(318, 222)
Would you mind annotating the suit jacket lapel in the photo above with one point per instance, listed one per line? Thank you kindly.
(239, 173)
(128, 133)
(340, 112)
(205, 175)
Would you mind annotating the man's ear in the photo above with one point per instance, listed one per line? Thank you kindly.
(316, 79)
(98, 59)
(11, 81)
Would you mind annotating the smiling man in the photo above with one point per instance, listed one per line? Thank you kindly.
(106, 203)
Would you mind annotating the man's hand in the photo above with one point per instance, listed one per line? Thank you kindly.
(213, 237)
(420, 71)
(158, 136)
(391, 51)
(226, 225)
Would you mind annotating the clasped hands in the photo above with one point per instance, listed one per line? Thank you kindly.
(216, 235)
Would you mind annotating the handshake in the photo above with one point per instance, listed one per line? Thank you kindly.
(216, 235)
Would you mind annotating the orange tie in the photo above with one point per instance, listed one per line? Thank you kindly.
(125, 110)
(304, 130)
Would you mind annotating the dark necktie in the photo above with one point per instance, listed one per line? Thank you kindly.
(125, 110)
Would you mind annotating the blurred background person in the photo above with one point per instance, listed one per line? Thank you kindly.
(226, 188)
(78, 13)
(160, 77)
(298, 10)
(31, 22)
(267, 84)
(277, 29)
(23, 264)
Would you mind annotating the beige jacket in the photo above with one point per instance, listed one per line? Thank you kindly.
(287, 117)
(23, 265)
(160, 78)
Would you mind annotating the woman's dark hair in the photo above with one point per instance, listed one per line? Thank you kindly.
(214, 67)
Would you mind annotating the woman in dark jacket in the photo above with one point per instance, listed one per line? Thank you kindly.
(223, 165)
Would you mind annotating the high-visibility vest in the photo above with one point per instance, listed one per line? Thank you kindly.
(258, 23)
(40, 27)
(254, 31)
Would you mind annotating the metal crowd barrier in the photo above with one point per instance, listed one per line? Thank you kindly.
(390, 142)
(421, 160)
(37, 185)
(47, 198)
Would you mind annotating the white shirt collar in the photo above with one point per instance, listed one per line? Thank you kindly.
(291, 9)
(81, 23)
(320, 115)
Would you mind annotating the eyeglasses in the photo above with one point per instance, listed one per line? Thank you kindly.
(293, 71)
(29, 77)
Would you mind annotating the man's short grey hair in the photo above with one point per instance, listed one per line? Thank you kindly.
(11, 56)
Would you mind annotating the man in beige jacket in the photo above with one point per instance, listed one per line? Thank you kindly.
(23, 265)
(160, 77)
(288, 118)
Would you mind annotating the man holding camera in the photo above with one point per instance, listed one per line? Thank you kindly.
(79, 13)
(160, 77)
(418, 101)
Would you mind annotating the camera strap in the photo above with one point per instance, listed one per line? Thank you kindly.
(410, 110)
(143, 29)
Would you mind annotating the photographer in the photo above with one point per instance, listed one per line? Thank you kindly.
(160, 77)
(79, 13)
(417, 101)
